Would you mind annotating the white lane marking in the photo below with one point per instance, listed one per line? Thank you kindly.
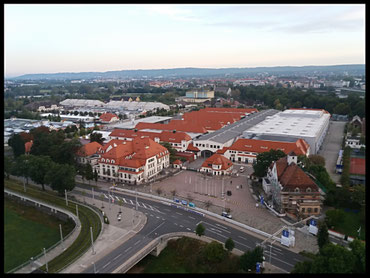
(137, 242)
(242, 244)
(218, 234)
(242, 237)
(198, 223)
(216, 227)
(131, 202)
(128, 249)
(179, 213)
(216, 230)
(181, 226)
(151, 215)
(158, 217)
(191, 217)
(106, 265)
(144, 205)
(155, 228)
(146, 213)
(223, 227)
(175, 224)
(268, 253)
(188, 229)
(163, 219)
(167, 210)
(105, 196)
(283, 262)
(117, 257)
(124, 200)
(117, 198)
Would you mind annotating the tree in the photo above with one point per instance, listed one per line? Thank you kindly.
(207, 204)
(159, 191)
(229, 244)
(96, 137)
(249, 259)
(21, 167)
(264, 160)
(359, 252)
(334, 216)
(17, 144)
(200, 230)
(89, 172)
(61, 177)
(38, 168)
(214, 252)
(8, 166)
(173, 192)
(171, 150)
(317, 159)
(322, 235)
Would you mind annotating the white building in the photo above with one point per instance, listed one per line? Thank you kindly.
(293, 124)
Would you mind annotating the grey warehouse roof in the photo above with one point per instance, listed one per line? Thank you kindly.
(234, 130)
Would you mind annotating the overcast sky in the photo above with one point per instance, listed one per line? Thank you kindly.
(42, 38)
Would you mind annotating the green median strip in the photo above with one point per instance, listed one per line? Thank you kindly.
(88, 218)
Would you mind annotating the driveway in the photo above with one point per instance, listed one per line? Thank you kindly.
(331, 146)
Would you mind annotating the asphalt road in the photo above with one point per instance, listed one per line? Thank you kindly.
(163, 219)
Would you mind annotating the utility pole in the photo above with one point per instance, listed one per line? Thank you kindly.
(65, 191)
(46, 262)
(92, 242)
(93, 195)
(61, 235)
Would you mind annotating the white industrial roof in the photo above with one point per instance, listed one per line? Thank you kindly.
(301, 123)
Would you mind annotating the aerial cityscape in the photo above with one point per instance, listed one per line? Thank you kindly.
(184, 138)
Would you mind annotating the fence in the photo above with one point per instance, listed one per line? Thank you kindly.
(22, 197)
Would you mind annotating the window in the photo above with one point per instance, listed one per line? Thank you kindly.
(303, 210)
(309, 210)
(296, 189)
(316, 210)
(308, 189)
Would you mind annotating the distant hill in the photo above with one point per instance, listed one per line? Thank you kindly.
(356, 69)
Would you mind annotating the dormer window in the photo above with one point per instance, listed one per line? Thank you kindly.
(112, 161)
(309, 189)
(102, 160)
(107, 160)
(296, 189)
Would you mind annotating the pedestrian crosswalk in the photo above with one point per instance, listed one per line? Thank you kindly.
(129, 201)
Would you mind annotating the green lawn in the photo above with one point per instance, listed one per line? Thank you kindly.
(27, 231)
(184, 256)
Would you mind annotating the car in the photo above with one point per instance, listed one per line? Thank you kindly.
(241, 169)
(225, 214)
(119, 217)
(192, 205)
(184, 202)
(176, 200)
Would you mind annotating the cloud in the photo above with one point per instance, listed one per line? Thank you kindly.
(174, 12)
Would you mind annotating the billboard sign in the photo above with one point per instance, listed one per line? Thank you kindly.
(285, 233)
(313, 222)
(258, 267)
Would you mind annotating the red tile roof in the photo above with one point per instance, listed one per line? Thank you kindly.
(218, 159)
(131, 153)
(177, 161)
(191, 147)
(358, 166)
(292, 176)
(300, 147)
(164, 136)
(89, 149)
(106, 117)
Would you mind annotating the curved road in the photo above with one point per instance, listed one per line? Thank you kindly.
(163, 219)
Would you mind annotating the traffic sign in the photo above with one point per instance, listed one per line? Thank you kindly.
(313, 222)
(285, 233)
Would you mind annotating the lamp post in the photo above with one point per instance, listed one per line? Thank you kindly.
(46, 262)
(92, 241)
(65, 192)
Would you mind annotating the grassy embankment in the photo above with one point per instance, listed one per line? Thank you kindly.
(87, 217)
(27, 231)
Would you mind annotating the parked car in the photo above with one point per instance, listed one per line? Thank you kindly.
(241, 169)
(225, 214)
(192, 205)
(184, 202)
(176, 200)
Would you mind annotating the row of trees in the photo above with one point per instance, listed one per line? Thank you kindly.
(282, 98)
(42, 170)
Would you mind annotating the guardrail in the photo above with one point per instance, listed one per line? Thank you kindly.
(71, 215)
(199, 210)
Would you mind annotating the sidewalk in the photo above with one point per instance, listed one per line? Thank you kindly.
(114, 234)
